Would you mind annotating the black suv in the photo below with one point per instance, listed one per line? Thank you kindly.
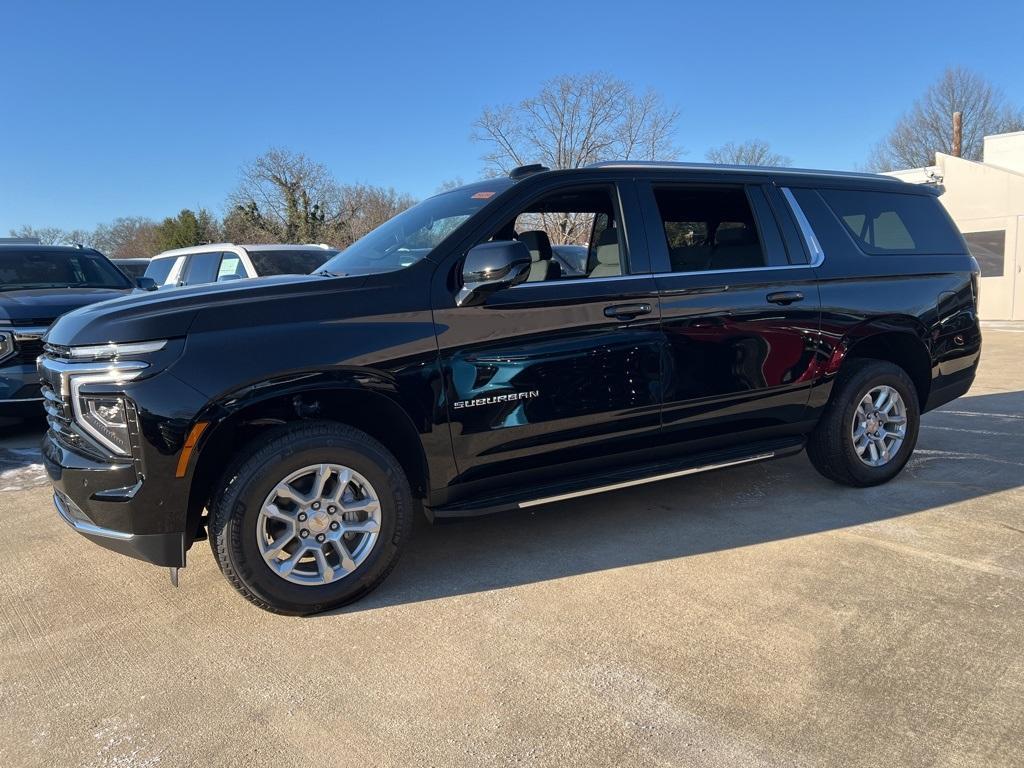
(38, 283)
(724, 316)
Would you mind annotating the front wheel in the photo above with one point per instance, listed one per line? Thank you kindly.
(311, 518)
(870, 425)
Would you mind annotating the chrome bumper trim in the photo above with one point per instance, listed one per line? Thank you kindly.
(88, 528)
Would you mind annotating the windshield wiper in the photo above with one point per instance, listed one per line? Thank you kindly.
(328, 273)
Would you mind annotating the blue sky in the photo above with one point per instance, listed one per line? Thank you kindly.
(143, 108)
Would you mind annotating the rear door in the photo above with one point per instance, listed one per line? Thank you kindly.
(740, 311)
(562, 369)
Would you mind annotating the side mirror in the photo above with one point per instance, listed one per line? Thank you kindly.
(491, 267)
(146, 283)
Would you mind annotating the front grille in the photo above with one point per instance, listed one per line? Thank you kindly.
(58, 413)
(27, 350)
(58, 409)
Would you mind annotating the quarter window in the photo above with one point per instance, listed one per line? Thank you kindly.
(894, 222)
(709, 228)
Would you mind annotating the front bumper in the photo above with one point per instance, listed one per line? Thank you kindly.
(19, 390)
(158, 548)
(108, 503)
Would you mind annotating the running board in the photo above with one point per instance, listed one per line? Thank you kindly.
(605, 481)
(645, 480)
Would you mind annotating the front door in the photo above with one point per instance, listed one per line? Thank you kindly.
(740, 312)
(566, 366)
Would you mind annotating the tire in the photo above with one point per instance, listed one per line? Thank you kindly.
(831, 446)
(249, 510)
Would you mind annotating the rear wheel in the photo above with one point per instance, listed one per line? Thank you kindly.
(311, 519)
(869, 428)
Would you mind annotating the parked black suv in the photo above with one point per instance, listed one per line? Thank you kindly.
(38, 283)
(724, 316)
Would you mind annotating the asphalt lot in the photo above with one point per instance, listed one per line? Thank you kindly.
(759, 616)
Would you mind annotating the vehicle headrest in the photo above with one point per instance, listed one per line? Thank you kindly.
(733, 235)
(536, 240)
(608, 247)
(608, 237)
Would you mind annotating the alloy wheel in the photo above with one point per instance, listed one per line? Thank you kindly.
(879, 425)
(318, 524)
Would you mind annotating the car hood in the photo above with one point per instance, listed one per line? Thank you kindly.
(170, 312)
(41, 306)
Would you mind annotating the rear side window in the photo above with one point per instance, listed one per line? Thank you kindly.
(890, 222)
(709, 228)
(160, 269)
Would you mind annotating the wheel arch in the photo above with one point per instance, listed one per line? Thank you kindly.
(234, 422)
(904, 346)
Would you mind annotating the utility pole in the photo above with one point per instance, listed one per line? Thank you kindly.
(958, 133)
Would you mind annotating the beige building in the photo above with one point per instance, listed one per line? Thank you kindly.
(986, 200)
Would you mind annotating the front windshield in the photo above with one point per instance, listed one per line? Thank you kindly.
(415, 232)
(20, 270)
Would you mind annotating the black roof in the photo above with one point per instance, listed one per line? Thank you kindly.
(713, 171)
(39, 248)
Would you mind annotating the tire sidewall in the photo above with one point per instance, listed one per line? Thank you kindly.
(255, 481)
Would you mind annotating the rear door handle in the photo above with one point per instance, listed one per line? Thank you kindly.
(627, 311)
(785, 297)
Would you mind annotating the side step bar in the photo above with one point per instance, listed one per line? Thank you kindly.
(601, 483)
(645, 480)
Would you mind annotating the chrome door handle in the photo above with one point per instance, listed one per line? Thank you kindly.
(627, 311)
(785, 297)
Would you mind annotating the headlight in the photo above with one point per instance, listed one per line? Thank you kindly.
(105, 418)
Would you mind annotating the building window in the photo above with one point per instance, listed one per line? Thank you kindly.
(988, 248)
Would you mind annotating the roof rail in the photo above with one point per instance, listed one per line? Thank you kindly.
(655, 164)
(527, 170)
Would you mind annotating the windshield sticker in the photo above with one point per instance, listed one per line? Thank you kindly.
(482, 195)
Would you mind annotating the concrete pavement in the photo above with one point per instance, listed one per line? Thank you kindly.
(759, 616)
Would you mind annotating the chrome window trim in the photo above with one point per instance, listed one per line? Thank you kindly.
(817, 253)
(23, 400)
(580, 280)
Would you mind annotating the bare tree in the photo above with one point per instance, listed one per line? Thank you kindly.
(284, 197)
(575, 120)
(928, 127)
(54, 235)
(449, 185)
(752, 152)
(362, 208)
(126, 237)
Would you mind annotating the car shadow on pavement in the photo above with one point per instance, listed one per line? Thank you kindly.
(971, 448)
